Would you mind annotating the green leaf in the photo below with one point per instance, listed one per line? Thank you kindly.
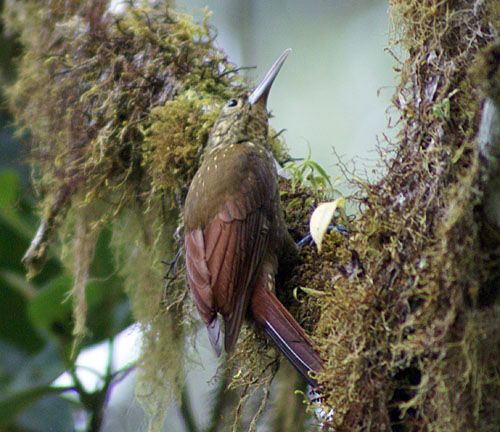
(10, 359)
(27, 397)
(16, 327)
(38, 370)
(320, 170)
(10, 188)
(19, 283)
(15, 403)
(50, 412)
(312, 292)
(51, 309)
(13, 244)
(13, 211)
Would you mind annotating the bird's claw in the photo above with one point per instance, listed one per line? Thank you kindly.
(308, 240)
(316, 399)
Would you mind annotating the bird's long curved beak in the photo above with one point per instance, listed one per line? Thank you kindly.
(261, 92)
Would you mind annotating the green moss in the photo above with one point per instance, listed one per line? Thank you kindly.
(117, 111)
(119, 108)
(178, 131)
(405, 342)
(93, 95)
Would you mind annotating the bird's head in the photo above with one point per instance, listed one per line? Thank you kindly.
(245, 118)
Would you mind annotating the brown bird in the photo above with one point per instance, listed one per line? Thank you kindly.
(235, 232)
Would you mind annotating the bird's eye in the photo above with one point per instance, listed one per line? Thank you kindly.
(232, 103)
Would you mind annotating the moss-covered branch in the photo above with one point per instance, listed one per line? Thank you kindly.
(411, 329)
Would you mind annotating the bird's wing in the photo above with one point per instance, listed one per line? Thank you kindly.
(198, 277)
(224, 256)
(241, 244)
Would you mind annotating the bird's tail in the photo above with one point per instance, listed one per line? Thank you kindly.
(285, 332)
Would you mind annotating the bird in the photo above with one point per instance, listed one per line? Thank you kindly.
(235, 234)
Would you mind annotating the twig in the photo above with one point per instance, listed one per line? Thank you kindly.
(236, 70)
(36, 255)
(97, 401)
(221, 399)
(187, 412)
(488, 140)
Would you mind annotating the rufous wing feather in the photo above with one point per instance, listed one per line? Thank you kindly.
(224, 256)
(198, 277)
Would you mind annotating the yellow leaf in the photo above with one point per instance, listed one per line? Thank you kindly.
(322, 217)
(312, 292)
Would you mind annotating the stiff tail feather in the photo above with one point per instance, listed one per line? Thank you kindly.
(285, 332)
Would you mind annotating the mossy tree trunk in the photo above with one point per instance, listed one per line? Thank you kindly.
(406, 317)
(412, 335)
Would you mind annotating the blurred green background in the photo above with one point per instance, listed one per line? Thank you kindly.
(326, 97)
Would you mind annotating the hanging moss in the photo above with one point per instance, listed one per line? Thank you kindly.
(118, 108)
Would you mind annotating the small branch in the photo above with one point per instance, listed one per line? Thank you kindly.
(97, 402)
(236, 70)
(97, 413)
(221, 400)
(488, 140)
(187, 412)
(121, 374)
(36, 255)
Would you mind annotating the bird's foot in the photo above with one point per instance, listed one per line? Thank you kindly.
(308, 240)
(323, 414)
